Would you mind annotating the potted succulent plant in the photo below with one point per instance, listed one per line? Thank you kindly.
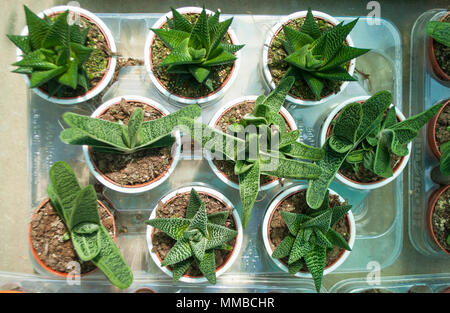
(314, 48)
(194, 234)
(308, 242)
(63, 60)
(72, 225)
(366, 139)
(192, 56)
(438, 217)
(127, 142)
(439, 46)
(259, 144)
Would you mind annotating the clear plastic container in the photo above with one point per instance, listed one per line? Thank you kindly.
(434, 283)
(378, 213)
(425, 91)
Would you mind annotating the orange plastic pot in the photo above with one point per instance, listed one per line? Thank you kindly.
(429, 215)
(434, 63)
(431, 133)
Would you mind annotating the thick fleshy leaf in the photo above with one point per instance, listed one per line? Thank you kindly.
(296, 266)
(303, 59)
(200, 220)
(21, 42)
(310, 25)
(37, 28)
(293, 221)
(84, 209)
(288, 168)
(173, 227)
(322, 240)
(58, 34)
(224, 57)
(345, 54)
(199, 35)
(87, 246)
(382, 161)
(180, 251)
(217, 33)
(35, 60)
(335, 38)
(198, 248)
(81, 52)
(315, 84)
(180, 22)
(300, 150)
(218, 235)
(180, 268)
(284, 248)
(300, 248)
(338, 212)
(230, 48)
(171, 37)
(345, 128)
(322, 222)
(315, 261)
(248, 190)
(439, 31)
(337, 240)
(295, 38)
(199, 73)
(179, 55)
(277, 97)
(207, 266)
(337, 73)
(218, 218)
(70, 77)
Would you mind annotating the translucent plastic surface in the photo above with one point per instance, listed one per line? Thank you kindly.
(378, 213)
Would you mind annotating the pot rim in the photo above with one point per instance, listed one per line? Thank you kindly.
(354, 184)
(431, 132)
(223, 109)
(182, 100)
(215, 194)
(266, 224)
(111, 66)
(133, 189)
(434, 63)
(434, 197)
(46, 267)
(269, 38)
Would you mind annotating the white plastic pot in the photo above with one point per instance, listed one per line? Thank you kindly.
(269, 246)
(221, 198)
(213, 123)
(181, 100)
(133, 189)
(265, 56)
(111, 63)
(354, 184)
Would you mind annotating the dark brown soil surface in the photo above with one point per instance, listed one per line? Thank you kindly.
(442, 123)
(441, 219)
(159, 51)
(176, 208)
(47, 231)
(442, 53)
(296, 203)
(234, 115)
(278, 66)
(97, 63)
(364, 175)
(139, 167)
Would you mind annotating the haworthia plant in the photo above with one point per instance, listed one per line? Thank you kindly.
(439, 31)
(198, 235)
(366, 133)
(310, 235)
(78, 208)
(196, 48)
(444, 162)
(315, 56)
(54, 53)
(257, 132)
(113, 137)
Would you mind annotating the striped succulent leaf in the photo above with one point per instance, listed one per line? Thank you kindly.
(113, 137)
(196, 47)
(316, 56)
(78, 208)
(439, 31)
(54, 53)
(310, 235)
(198, 236)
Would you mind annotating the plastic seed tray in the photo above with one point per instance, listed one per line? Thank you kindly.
(425, 91)
(378, 213)
(402, 284)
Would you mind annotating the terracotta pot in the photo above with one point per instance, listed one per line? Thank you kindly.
(144, 290)
(111, 66)
(235, 215)
(273, 206)
(268, 42)
(139, 188)
(213, 123)
(42, 264)
(429, 214)
(179, 100)
(434, 63)
(431, 133)
(398, 169)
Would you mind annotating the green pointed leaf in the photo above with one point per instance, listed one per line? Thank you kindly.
(70, 77)
(322, 222)
(300, 150)
(37, 28)
(199, 35)
(444, 165)
(87, 246)
(180, 268)
(218, 235)
(439, 31)
(337, 240)
(335, 39)
(344, 55)
(200, 220)
(218, 218)
(84, 209)
(180, 22)
(134, 126)
(322, 240)
(173, 227)
(230, 48)
(248, 190)
(345, 128)
(295, 38)
(284, 248)
(310, 26)
(296, 266)
(315, 261)
(382, 161)
(299, 249)
(179, 55)
(218, 32)
(58, 34)
(337, 73)
(194, 204)
(198, 248)
(171, 37)
(207, 266)
(315, 84)
(86, 228)
(179, 252)
(81, 52)
(277, 97)
(293, 221)
(338, 212)
(21, 42)
(223, 57)
(288, 168)
(199, 73)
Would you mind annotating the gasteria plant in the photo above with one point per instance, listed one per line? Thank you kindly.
(366, 133)
(117, 137)
(198, 235)
(439, 31)
(260, 144)
(316, 56)
(78, 208)
(444, 162)
(310, 235)
(54, 53)
(196, 48)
